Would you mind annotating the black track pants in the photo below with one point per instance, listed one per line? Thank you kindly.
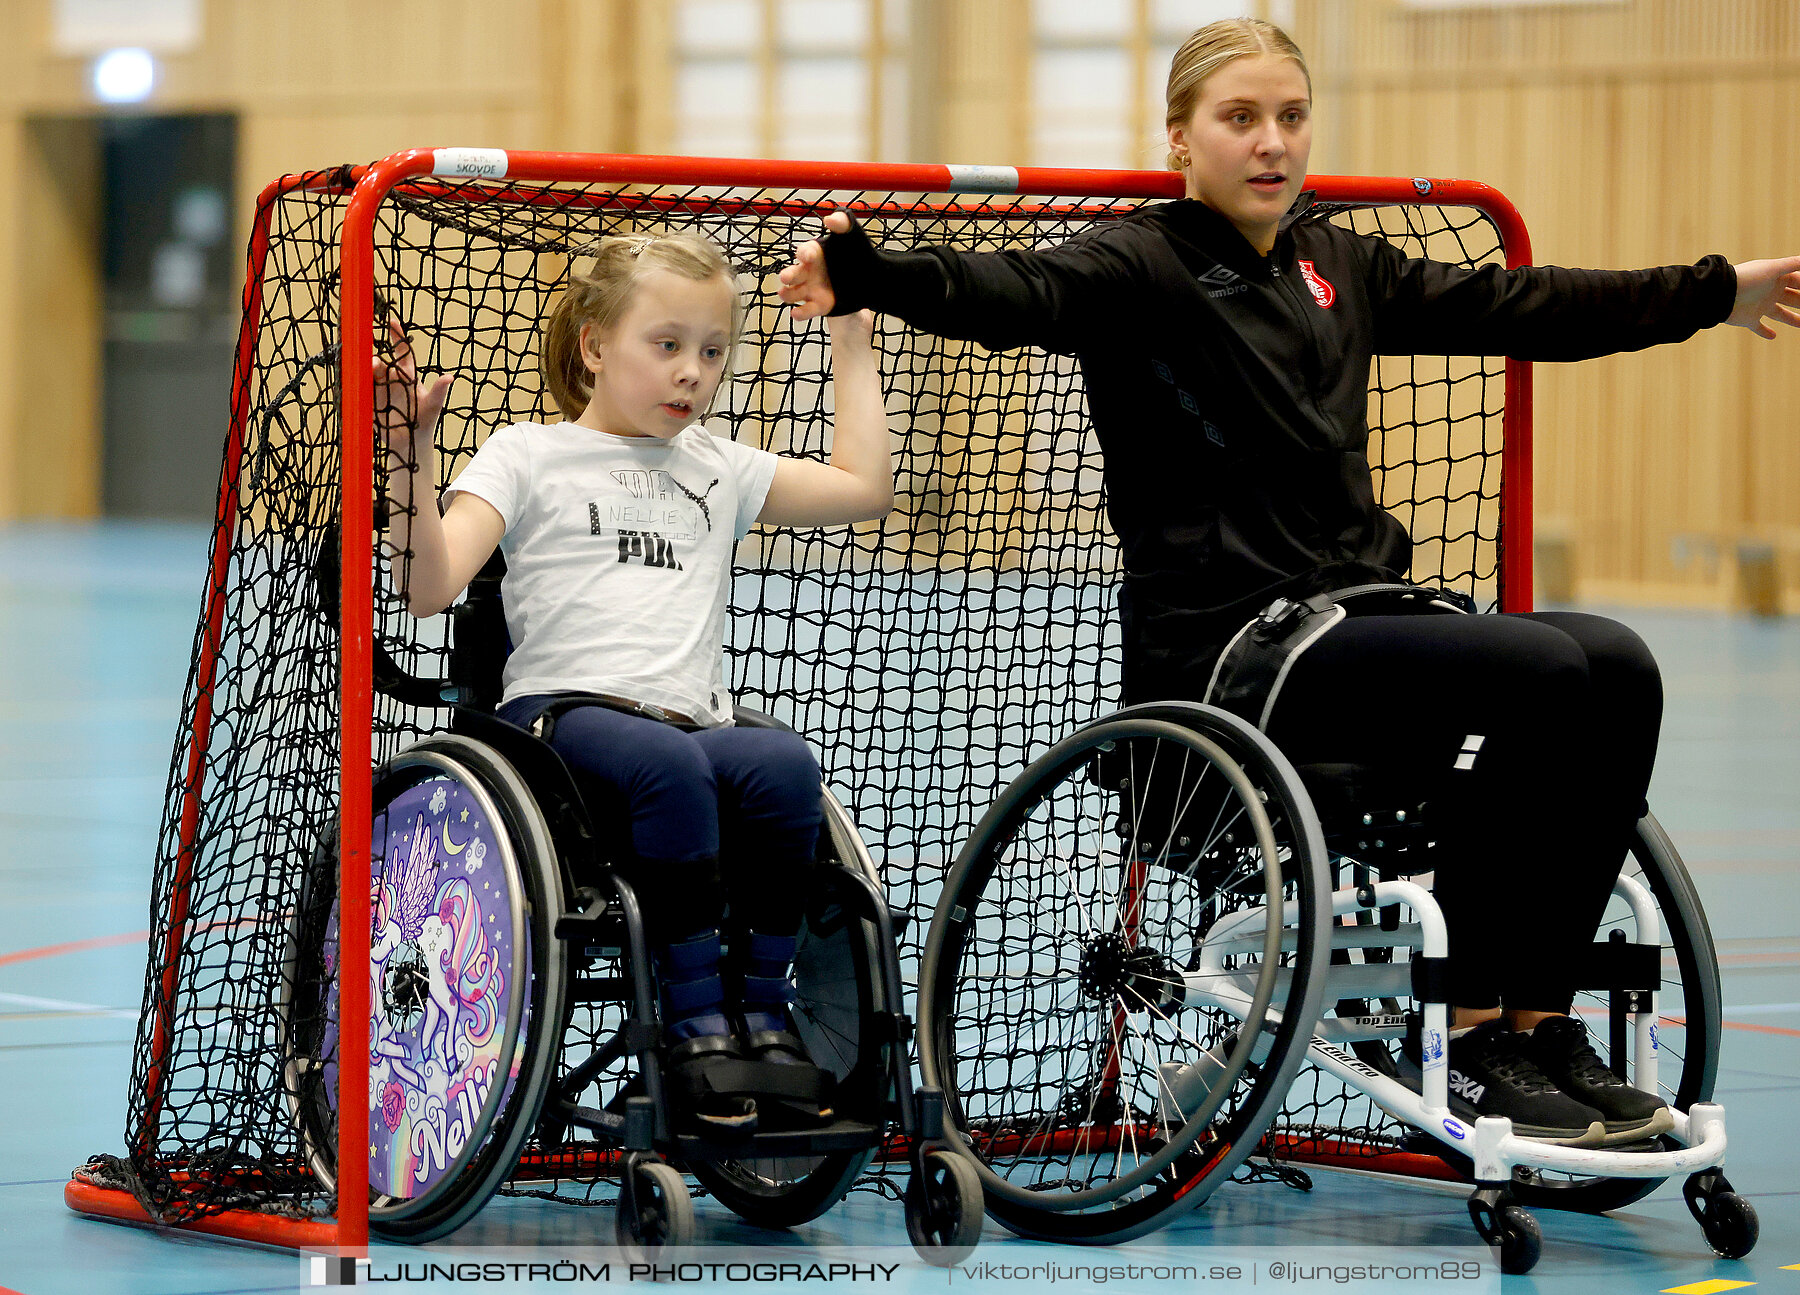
(1534, 817)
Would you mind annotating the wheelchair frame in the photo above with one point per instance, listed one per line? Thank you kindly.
(1230, 973)
(942, 1199)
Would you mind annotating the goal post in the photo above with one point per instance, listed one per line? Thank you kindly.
(926, 657)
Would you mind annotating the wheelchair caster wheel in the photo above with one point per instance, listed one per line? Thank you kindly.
(943, 1208)
(1731, 1226)
(1727, 1219)
(1510, 1229)
(1521, 1240)
(655, 1210)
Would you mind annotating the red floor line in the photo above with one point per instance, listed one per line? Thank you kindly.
(1728, 1025)
(72, 946)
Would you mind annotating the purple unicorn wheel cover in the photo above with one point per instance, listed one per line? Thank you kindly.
(450, 952)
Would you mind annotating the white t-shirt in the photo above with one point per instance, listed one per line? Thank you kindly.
(618, 558)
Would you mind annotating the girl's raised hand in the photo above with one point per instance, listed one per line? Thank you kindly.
(854, 329)
(406, 410)
(805, 285)
(1767, 288)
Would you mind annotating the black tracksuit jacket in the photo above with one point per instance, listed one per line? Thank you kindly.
(1229, 389)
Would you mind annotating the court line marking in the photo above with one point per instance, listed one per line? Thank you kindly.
(71, 946)
(1743, 1025)
(1764, 1009)
(63, 1005)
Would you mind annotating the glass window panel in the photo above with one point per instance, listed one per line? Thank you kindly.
(845, 140)
(894, 20)
(1156, 82)
(823, 24)
(719, 137)
(896, 137)
(1081, 80)
(712, 25)
(1178, 18)
(1091, 144)
(1058, 20)
(715, 88)
(826, 88)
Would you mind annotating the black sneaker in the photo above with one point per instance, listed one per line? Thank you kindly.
(1560, 1047)
(1491, 1075)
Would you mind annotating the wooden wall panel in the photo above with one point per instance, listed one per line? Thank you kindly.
(1638, 134)
(54, 399)
(313, 83)
(1633, 134)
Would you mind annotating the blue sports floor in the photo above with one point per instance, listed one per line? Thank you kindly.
(95, 630)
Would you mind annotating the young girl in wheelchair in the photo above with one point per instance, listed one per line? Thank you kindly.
(1226, 341)
(618, 526)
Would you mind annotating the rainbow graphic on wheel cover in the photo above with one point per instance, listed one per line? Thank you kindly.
(444, 949)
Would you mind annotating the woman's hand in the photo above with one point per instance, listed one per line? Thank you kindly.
(1765, 288)
(805, 285)
(406, 410)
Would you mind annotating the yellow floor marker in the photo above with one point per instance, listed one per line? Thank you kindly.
(1710, 1287)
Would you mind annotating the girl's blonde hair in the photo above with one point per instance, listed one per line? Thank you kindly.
(601, 295)
(1211, 48)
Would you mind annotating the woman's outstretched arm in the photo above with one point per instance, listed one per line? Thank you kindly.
(1065, 298)
(1767, 290)
(1548, 312)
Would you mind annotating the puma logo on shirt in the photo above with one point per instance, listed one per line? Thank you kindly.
(654, 484)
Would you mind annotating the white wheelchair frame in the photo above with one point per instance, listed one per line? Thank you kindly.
(1490, 1142)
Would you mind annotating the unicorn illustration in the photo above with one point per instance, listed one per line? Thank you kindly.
(398, 976)
(465, 976)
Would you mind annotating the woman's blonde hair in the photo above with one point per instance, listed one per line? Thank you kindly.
(601, 295)
(1211, 48)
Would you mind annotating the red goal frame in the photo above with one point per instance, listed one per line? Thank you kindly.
(440, 172)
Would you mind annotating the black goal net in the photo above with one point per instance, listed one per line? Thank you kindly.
(926, 657)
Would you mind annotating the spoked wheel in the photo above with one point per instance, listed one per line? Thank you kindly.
(1685, 1034)
(655, 1211)
(838, 982)
(1124, 970)
(464, 961)
(943, 1209)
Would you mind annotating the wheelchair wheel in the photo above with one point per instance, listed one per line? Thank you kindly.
(655, 1214)
(838, 982)
(1686, 1033)
(1124, 969)
(464, 962)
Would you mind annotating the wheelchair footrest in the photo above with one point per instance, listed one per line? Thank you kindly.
(594, 1120)
(839, 1135)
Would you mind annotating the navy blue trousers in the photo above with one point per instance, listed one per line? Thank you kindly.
(703, 817)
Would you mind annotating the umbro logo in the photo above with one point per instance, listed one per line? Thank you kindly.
(1222, 282)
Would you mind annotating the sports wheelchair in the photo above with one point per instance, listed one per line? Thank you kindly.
(496, 916)
(1162, 919)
